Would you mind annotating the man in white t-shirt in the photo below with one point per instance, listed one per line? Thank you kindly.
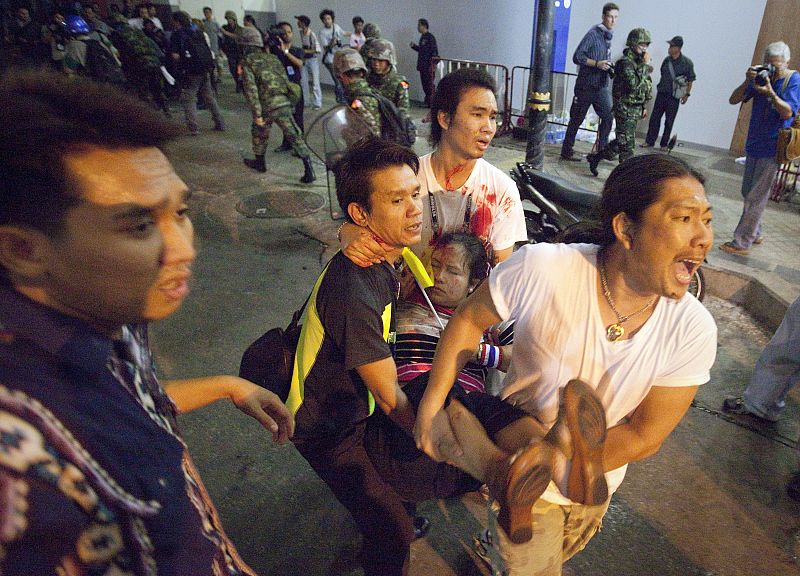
(461, 191)
(357, 37)
(615, 315)
(331, 39)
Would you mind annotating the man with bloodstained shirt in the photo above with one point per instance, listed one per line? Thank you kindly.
(461, 191)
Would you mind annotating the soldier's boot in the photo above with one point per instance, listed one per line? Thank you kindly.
(258, 164)
(285, 145)
(308, 175)
(594, 160)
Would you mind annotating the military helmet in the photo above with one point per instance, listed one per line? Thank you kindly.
(348, 59)
(638, 36)
(381, 49)
(76, 25)
(371, 30)
(250, 37)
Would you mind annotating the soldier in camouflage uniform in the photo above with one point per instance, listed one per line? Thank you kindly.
(631, 90)
(141, 61)
(383, 77)
(351, 70)
(266, 88)
(371, 33)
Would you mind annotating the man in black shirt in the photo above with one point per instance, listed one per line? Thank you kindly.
(674, 89)
(427, 50)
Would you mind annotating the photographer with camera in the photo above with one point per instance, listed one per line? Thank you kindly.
(280, 41)
(592, 87)
(775, 92)
(330, 37)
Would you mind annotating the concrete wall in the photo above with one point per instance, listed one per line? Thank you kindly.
(263, 10)
(719, 34)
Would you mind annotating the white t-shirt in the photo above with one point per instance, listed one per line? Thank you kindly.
(325, 37)
(495, 208)
(550, 289)
(357, 40)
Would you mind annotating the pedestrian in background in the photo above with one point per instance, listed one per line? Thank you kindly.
(775, 92)
(592, 86)
(674, 89)
(426, 50)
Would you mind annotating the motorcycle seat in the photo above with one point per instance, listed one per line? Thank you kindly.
(563, 192)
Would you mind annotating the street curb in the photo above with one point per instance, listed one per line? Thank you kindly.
(759, 301)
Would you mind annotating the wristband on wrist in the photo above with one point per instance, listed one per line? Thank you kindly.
(489, 355)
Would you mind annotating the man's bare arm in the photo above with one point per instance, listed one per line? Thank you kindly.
(651, 423)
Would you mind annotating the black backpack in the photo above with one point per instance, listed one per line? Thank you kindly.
(396, 126)
(101, 65)
(196, 57)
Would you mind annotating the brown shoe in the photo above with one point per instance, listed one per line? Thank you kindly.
(518, 485)
(732, 248)
(586, 421)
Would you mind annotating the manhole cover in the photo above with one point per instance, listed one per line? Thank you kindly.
(281, 204)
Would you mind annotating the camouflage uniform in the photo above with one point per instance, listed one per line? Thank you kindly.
(392, 85)
(141, 62)
(631, 90)
(365, 106)
(371, 33)
(348, 62)
(265, 88)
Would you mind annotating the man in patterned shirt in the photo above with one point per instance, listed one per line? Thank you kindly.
(95, 242)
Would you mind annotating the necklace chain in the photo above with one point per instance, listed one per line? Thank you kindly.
(615, 331)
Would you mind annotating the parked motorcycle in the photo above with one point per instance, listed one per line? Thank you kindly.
(556, 209)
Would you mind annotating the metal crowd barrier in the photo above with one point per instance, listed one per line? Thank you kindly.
(441, 67)
(562, 88)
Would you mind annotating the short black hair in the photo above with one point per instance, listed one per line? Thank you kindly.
(45, 116)
(478, 258)
(207, 8)
(355, 170)
(284, 23)
(357, 20)
(182, 18)
(424, 22)
(449, 91)
(327, 12)
(305, 20)
(608, 7)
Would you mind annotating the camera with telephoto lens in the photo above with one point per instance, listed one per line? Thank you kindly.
(275, 37)
(763, 74)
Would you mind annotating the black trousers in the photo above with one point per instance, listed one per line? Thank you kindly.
(600, 100)
(665, 104)
(375, 468)
(426, 76)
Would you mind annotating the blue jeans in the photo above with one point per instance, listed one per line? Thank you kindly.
(191, 85)
(759, 175)
(310, 74)
(337, 86)
(777, 370)
(600, 100)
